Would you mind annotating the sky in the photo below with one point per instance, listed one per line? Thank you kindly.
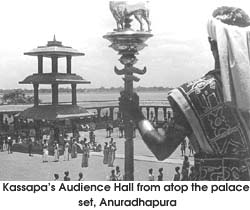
(178, 51)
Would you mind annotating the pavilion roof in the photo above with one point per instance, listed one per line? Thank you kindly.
(11, 108)
(54, 78)
(54, 48)
(58, 112)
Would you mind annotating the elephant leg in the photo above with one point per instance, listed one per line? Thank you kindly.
(148, 23)
(139, 18)
(146, 18)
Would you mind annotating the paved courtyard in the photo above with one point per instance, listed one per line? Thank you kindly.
(21, 167)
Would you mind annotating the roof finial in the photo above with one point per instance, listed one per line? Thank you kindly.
(54, 39)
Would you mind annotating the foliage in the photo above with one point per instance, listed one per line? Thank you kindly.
(17, 97)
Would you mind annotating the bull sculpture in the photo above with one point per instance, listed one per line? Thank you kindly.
(123, 10)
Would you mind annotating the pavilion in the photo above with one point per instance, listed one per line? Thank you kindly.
(55, 112)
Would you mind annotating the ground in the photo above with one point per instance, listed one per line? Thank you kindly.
(21, 167)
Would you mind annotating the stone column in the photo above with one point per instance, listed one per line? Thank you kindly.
(54, 59)
(37, 129)
(156, 113)
(56, 134)
(36, 96)
(40, 64)
(74, 97)
(147, 108)
(98, 113)
(111, 113)
(164, 112)
(68, 58)
(54, 94)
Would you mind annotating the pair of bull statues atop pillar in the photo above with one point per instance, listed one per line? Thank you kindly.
(124, 10)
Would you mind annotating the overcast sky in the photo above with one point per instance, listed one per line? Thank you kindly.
(177, 52)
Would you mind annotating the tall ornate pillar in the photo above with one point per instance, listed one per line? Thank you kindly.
(128, 43)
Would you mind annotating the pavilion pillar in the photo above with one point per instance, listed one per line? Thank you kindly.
(68, 58)
(74, 97)
(40, 64)
(1, 119)
(169, 115)
(56, 134)
(74, 128)
(98, 113)
(111, 113)
(36, 97)
(156, 113)
(54, 88)
(54, 59)
(37, 130)
(147, 108)
(165, 113)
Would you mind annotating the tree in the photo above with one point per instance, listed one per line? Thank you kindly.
(17, 97)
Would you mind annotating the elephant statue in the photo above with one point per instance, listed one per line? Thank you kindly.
(122, 10)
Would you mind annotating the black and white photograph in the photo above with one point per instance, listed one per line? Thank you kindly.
(99, 90)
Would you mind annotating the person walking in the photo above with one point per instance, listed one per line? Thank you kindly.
(85, 155)
(112, 177)
(56, 152)
(160, 176)
(74, 150)
(66, 176)
(183, 147)
(45, 147)
(191, 150)
(105, 153)
(192, 175)
(80, 177)
(1, 143)
(177, 176)
(118, 174)
(150, 175)
(66, 151)
(56, 177)
(10, 144)
(30, 145)
(111, 153)
(185, 169)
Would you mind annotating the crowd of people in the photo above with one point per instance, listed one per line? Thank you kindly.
(6, 144)
(115, 175)
(69, 149)
(109, 150)
(187, 172)
(185, 145)
(66, 177)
